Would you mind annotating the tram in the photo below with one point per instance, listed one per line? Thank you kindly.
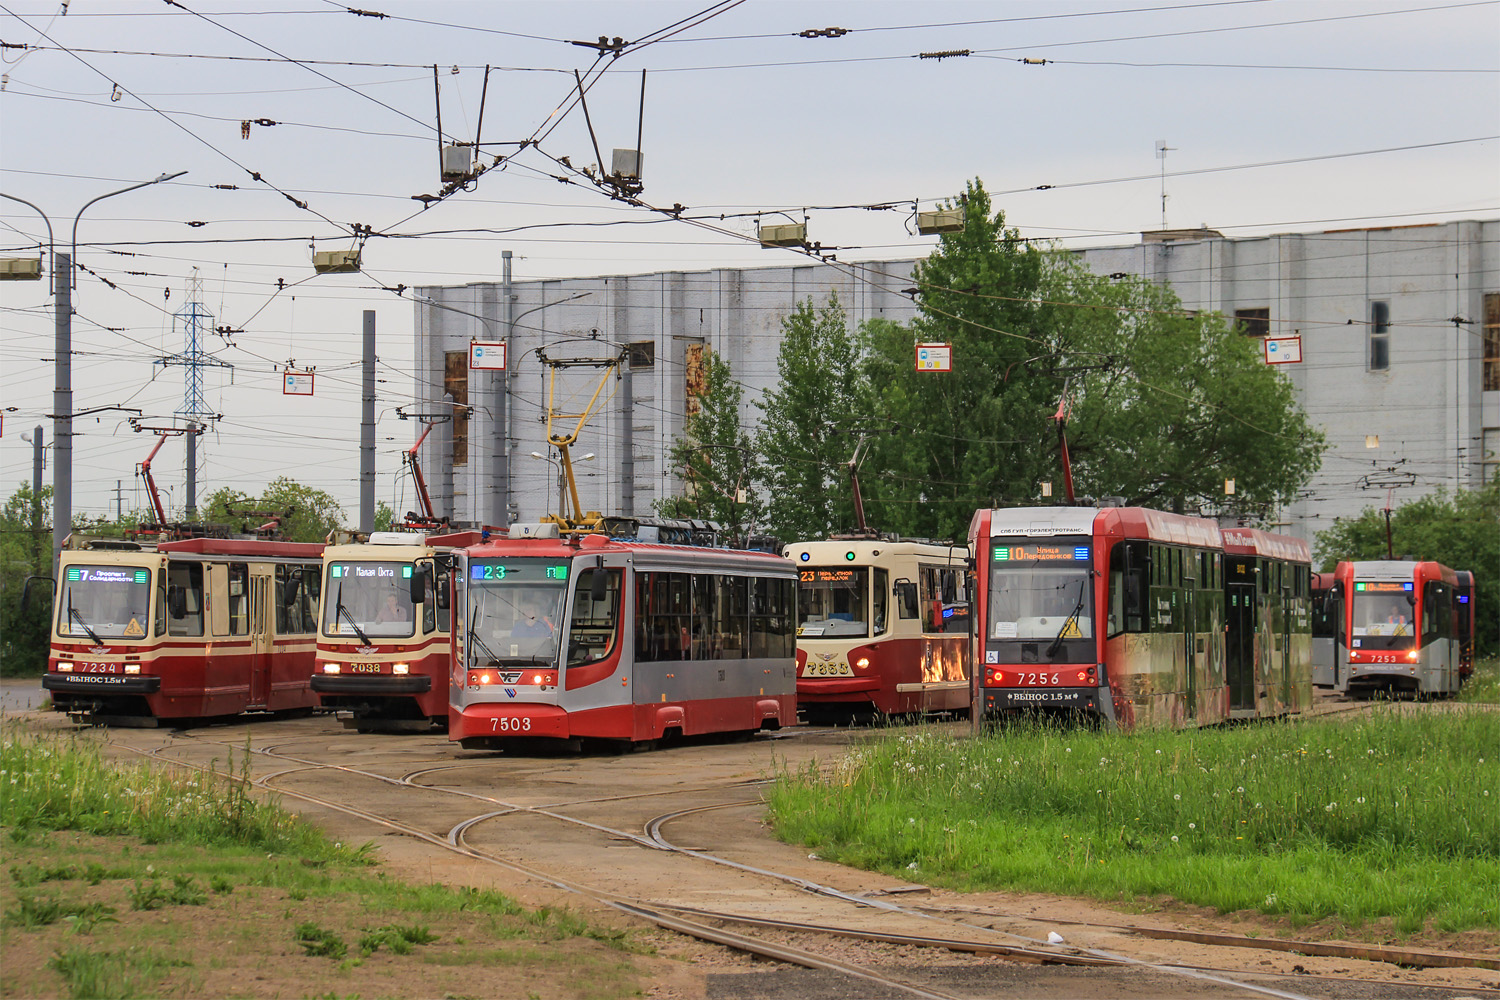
(384, 639)
(1326, 604)
(187, 629)
(1268, 623)
(1464, 609)
(1398, 630)
(1116, 613)
(568, 635)
(882, 628)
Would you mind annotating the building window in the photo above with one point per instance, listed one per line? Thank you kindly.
(1253, 322)
(642, 355)
(1380, 336)
(1492, 342)
(456, 384)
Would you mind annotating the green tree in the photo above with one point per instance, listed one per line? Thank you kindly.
(1168, 405)
(799, 444)
(976, 435)
(714, 458)
(1461, 531)
(384, 516)
(25, 551)
(313, 513)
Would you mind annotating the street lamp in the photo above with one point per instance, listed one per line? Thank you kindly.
(62, 393)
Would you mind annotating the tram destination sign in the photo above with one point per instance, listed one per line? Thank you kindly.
(1032, 554)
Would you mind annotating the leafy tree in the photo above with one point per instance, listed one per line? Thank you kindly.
(384, 516)
(1461, 531)
(977, 435)
(820, 392)
(714, 458)
(1168, 405)
(25, 552)
(314, 513)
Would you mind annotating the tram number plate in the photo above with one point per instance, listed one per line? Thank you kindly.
(365, 668)
(1379, 658)
(509, 725)
(97, 667)
(827, 670)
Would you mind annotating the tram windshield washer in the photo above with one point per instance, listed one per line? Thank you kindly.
(516, 611)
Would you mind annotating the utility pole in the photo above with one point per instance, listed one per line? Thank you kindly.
(500, 485)
(196, 320)
(367, 431)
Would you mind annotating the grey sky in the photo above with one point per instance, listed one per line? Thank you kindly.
(741, 115)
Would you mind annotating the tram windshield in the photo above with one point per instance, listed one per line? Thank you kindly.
(515, 611)
(105, 602)
(1383, 615)
(367, 600)
(1040, 590)
(833, 601)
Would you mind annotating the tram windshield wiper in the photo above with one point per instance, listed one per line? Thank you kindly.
(339, 609)
(1072, 617)
(474, 639)
(75, 616)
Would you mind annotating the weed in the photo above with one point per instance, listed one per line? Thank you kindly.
(152, 895)
(317, 941)
(220, 885)
(29, 875)
(397, 938)
(32, 912)
(119, 975)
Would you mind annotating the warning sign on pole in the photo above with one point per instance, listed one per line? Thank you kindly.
(934, 357)
(487, 355)
(297, 384)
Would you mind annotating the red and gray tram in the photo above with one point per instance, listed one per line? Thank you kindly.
(384, 643)
(1398, 632)
(882, 628)
(587, 637)
(1115, 613)
(187, 629)
(1267, 623)
(1464, 609)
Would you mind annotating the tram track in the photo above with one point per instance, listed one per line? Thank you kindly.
(700, 923)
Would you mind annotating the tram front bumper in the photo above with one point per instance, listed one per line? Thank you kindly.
(94, 684)
(1083, 699)
(835, 689)
(377, 684)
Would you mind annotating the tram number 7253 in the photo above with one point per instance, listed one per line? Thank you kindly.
(508, 725)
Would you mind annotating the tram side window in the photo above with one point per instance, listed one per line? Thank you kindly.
(161, 603)
(284, 614)
(770, 618)
(878, 606)
(662, 616)
(307, 596)
(429, 598)
(592, 629)
(732, 617)
(1437, 612)
(705, 642)
(239, 599)
(441, 582)
(1127, 588)
(185, 599)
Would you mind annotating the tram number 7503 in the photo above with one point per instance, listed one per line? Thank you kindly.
(509, 725)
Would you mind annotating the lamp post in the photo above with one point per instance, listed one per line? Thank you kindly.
(499, 456)
(62, 393)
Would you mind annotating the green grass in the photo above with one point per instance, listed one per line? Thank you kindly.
(104, 975)
(1395, 817)
(1484, 687)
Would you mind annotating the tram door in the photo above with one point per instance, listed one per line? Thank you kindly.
(1190, 626)
(1284, 636)
(1240, 601)
(262, 640)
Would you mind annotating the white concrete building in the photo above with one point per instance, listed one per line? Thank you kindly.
(1398, 330)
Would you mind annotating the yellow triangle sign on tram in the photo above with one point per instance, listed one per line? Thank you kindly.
(1070, 630)
(134, 630)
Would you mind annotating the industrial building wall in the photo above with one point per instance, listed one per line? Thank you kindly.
(1390, 323)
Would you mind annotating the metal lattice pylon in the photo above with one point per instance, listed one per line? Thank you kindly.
(196, 321)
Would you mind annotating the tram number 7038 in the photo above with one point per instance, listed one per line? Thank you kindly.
(509, 725)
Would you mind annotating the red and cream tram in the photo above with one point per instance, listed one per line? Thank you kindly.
(583, 636)
(1115, 613)
(1398, 632)
(1268, 623)
(186, 629)
(384, 642)
(882, 627)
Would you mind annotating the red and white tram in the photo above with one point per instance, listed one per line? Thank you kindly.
(186, 629)
(1398, 632)
(384, 643)
(583, 636)
(1464, 608)
(882, 627)
(1268, 623)
(1115, 613)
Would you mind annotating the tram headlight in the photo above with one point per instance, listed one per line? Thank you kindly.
(1412, 655)
(400, 668)
(132, 668)
(330, 668)
(863, 663)
(64, 667)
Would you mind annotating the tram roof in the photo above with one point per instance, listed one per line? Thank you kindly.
(665, 554)
(243, 547)
(1270, 545)
(1120, 522)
